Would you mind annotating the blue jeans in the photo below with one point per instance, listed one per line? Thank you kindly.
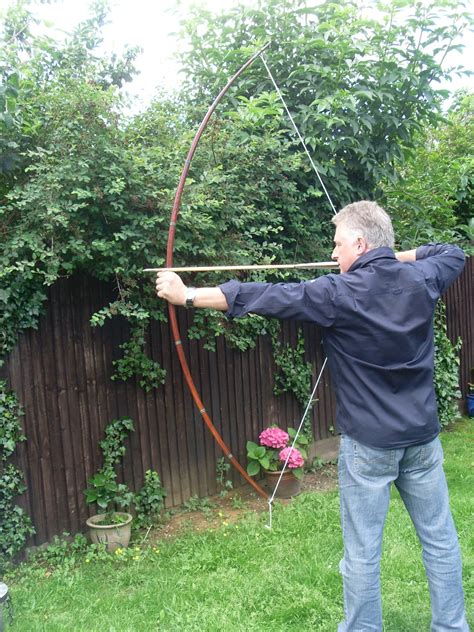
(365, 478)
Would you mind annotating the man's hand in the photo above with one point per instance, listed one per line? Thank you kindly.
(170, 287)
(406, 255)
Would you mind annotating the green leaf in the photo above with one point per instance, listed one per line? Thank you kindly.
(252, 450)
(260, 452)
(298, 472)
(265, 462)
(253, 468)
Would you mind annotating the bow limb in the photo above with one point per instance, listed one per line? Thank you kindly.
(169, 264)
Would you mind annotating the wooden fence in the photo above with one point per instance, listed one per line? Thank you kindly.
(460, 320)
(61, 373)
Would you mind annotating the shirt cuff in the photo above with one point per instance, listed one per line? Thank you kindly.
(230, 289)
(428, 250)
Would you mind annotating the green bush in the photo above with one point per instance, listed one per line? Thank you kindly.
(148, 501)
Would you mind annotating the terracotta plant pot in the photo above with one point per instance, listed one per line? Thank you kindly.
(289, 485)
(114, 536)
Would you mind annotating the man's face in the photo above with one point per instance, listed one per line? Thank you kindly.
(348, 247)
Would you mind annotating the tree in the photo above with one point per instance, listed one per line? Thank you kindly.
(432, 198)
(359, 86)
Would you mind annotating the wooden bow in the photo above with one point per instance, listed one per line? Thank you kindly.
(169, 266)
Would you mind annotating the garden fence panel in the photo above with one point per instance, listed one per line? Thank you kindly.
(61, 373)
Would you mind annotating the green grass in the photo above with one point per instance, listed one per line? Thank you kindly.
(245, 577)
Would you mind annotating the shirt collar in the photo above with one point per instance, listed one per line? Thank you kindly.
(372, 255)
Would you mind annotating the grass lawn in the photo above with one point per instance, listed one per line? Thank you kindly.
(243, 577)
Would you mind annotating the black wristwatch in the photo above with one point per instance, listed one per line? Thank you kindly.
(190, 296)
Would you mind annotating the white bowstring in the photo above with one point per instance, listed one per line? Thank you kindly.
(310, 401)
(262, 57)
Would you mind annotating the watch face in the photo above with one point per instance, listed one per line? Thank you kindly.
(190, 296)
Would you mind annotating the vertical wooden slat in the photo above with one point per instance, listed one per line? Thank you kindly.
(61, 460)
(81, 386)
(178, 431)
(161, 416)
(186, 423)
(212, 394)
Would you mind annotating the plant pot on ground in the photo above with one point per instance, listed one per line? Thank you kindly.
(111, 527)
(288, 486)
(114, 535)
(275, 449)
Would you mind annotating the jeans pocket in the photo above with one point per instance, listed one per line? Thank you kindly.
(422, 457)
(431, 453)
(372, 461)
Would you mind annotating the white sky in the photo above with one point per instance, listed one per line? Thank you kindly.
(150, 24)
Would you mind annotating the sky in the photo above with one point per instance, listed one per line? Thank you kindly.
(150, 24)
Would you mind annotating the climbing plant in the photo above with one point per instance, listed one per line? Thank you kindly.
(294, 375)
(446, 375)
(15, 524)
(104, 490)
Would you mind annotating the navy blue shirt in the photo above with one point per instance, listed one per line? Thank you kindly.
(377, 322)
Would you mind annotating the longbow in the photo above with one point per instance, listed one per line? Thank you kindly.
(169, 264)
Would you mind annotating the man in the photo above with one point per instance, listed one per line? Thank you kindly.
(378, 336)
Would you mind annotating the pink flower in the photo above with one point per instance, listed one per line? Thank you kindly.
(274, 438)
(295, 460)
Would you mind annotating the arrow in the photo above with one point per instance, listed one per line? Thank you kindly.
(322, 265)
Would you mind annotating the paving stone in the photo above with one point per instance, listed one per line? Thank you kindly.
(325, 449)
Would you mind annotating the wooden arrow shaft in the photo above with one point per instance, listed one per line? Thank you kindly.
(325, 265)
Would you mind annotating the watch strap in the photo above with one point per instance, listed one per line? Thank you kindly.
(190, 296)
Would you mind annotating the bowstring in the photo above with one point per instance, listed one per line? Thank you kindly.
(298, 430)
(301, 139)
(311, 398)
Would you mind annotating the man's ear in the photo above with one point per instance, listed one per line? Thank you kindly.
(361, 245)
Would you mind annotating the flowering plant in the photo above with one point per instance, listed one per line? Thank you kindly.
(274, 450)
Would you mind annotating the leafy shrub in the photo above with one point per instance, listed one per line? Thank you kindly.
(103, 489)
(148, 500)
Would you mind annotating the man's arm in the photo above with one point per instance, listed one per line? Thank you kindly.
(305, 300)
(170, 287)
(443, 262)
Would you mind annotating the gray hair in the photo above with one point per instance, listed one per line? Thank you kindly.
(368, 220)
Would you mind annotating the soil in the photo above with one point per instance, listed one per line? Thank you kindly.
(200, 514)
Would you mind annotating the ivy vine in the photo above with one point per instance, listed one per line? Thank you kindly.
(15, 524)
(135, 362)
(446, 374)
(112, 446)
(294, 375)
(104, 490)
